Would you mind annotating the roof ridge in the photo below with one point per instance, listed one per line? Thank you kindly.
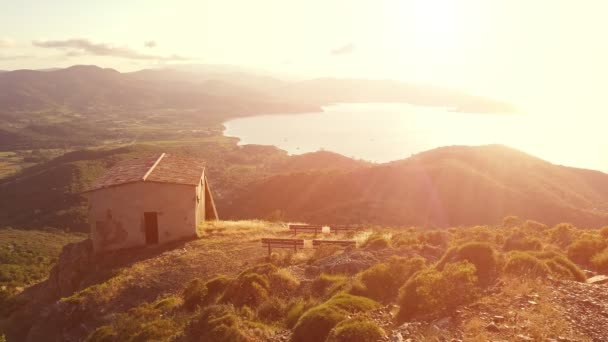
(152, 167)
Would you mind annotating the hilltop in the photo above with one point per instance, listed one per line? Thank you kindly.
(438, 188)
(473, 283)
(448, 186)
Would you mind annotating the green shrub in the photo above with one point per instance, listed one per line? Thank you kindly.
(600, 261)
(248, 289)
(194, 294)
(251, 287)
(431, 291)
(283, 282)
(557, 263)
(404, 239)
(437, 238)
(519, 241)
(102, 334)
(316, 323)
(215, 323)
(382, 281)
(562, 234)
(526, 265)
(167, 304)
(217, 286)
(356, 330)
(272, 310)
(328, 284)
(377, 241)
(480, 254)
(582, 250)
(352, 303)
(142, 323)
(295, 310)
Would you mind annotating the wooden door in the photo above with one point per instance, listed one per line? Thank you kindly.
(151, 224)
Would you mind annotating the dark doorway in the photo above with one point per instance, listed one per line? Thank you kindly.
(151, 224)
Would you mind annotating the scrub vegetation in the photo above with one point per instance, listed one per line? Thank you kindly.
(241, 294)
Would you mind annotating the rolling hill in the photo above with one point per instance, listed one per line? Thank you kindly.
(448, 186)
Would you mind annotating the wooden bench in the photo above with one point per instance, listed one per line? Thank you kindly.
(342, 243)
(282, 243)
(308, 228)
(337, 228)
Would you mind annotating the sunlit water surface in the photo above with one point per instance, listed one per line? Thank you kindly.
(387, 132)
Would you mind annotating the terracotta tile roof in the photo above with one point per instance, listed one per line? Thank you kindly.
(166, 168)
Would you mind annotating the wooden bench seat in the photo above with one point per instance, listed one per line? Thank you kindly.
(282, 243)
(308, 228)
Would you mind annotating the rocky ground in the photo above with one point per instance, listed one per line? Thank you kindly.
(585, 307)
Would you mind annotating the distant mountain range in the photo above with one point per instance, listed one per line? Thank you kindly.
(448, 186)
(91, 88)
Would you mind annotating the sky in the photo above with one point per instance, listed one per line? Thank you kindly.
(547, 57)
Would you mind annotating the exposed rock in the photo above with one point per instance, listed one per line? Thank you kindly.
(349, 263)
(74, 261)
(598, 280)
(492, 327)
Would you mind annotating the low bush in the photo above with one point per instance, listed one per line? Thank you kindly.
(216, 287)
(377, 241)
(283, 282)
(582, 250)
(432, 291)
(356, 330)
(525, 265)
(562, 234)
(194, 294)
(249, 289)
(316, 323)
(600, 261)
(221, 323)
(272, 310)
(382, 281)
(104, 333)
(519, 241)
(480, 254)
(143, 323)
(328, 284)
(560, 266)
(352, 303)
(437, 238)
(253, 286)
(295, 309)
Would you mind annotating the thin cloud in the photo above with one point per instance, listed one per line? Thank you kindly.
(344, 49)
(86, 47)
(150, 44)
(13, 57)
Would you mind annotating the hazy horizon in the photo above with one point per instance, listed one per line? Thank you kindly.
(549, 59)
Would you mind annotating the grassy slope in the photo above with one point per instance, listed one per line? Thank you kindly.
(443, 187)
(126, 280)
(27, 256)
